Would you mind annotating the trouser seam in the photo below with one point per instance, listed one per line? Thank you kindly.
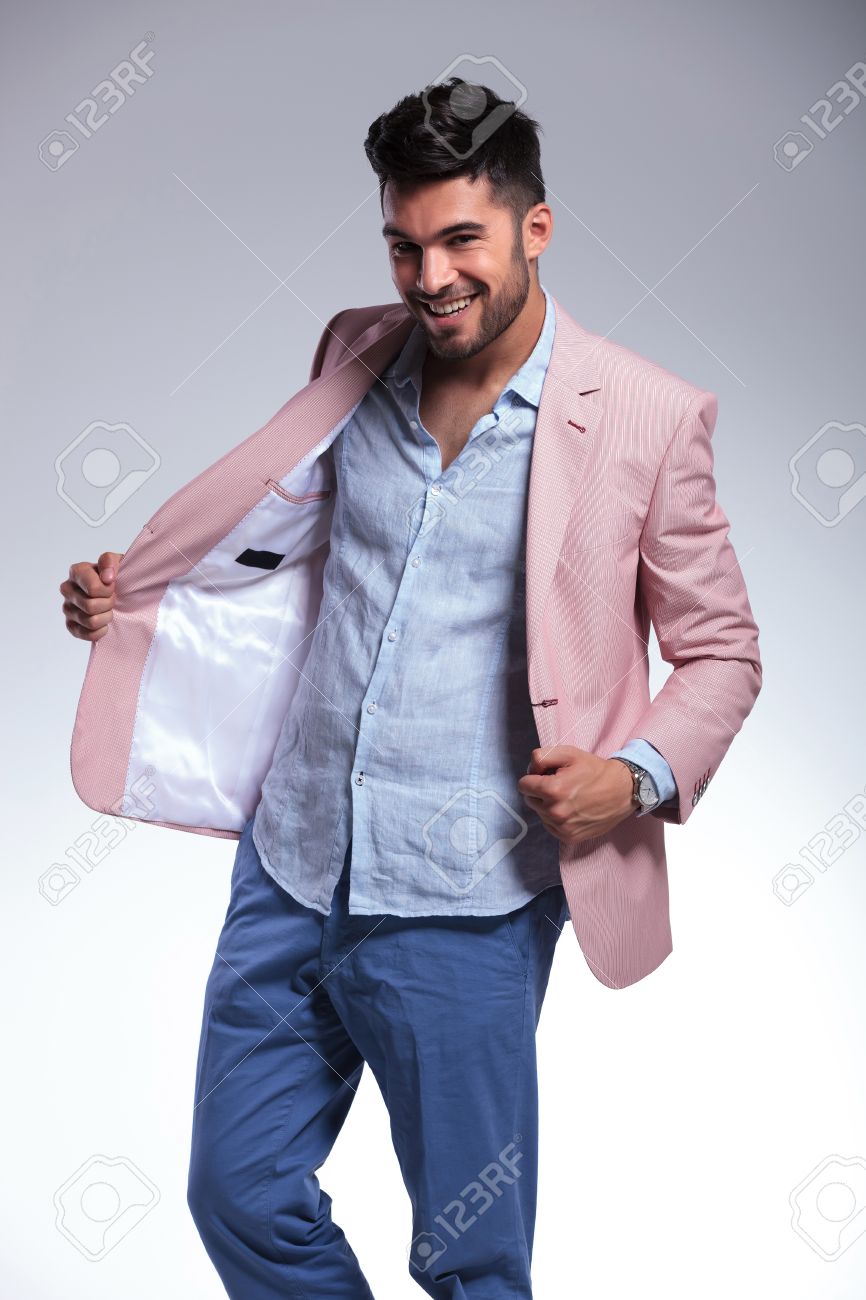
(514, 1129)
(278, 1146)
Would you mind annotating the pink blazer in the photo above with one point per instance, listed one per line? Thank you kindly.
(184, 697)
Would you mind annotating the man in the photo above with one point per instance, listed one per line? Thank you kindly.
(508, 501)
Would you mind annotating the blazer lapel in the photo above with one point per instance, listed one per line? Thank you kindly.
(569, 414)
(333, 394)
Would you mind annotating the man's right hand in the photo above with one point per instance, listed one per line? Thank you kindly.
(88, 596)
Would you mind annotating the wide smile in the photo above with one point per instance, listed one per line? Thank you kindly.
(450, 317)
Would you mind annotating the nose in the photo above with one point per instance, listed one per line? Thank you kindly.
(434, 273)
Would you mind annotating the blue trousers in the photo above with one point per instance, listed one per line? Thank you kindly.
(444, 1011)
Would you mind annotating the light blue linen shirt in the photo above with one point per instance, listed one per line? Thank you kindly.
(411, 724)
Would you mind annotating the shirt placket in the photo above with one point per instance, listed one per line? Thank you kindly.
(364, 769)
(365, 751)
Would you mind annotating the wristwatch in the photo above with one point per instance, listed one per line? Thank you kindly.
(645, 794)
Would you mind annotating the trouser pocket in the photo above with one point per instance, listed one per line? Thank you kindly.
(534, 928)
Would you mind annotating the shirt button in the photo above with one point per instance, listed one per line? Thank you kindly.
(435, 490)
(413, 424)
(392, 636)
(371, 708)
(359, 779)
(416, 561)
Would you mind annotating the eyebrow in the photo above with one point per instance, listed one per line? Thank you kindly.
(476, 227)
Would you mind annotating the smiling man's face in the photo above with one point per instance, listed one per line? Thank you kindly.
(447, 242)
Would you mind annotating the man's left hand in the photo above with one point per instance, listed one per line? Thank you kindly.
(577, 795)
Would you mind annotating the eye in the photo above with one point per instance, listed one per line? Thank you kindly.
(402, 244)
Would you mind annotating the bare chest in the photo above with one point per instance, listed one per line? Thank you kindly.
(450, 415)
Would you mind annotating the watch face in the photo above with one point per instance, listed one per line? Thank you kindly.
(647, 794)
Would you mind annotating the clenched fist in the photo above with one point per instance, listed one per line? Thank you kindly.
(88, 596)
(577, 795)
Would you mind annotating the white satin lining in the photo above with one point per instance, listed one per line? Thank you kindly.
(218, 680)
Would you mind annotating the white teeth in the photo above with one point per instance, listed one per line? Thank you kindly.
(457, 305)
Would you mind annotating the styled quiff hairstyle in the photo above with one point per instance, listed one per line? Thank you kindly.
(459, 128)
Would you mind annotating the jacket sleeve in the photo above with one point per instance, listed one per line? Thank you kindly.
(329, 338)
(693, 591)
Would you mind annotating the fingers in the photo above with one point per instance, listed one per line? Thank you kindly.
(86, 618)
(76, 595)
(108, 564)
(552, 757)
(89, 594)
(94, 579)
(83, 632)
(539, 787)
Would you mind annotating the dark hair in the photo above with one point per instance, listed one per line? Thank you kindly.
(459, 128)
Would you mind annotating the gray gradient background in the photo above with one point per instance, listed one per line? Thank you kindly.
(678, 1115)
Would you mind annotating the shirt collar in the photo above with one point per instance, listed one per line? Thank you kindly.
(527, 382)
